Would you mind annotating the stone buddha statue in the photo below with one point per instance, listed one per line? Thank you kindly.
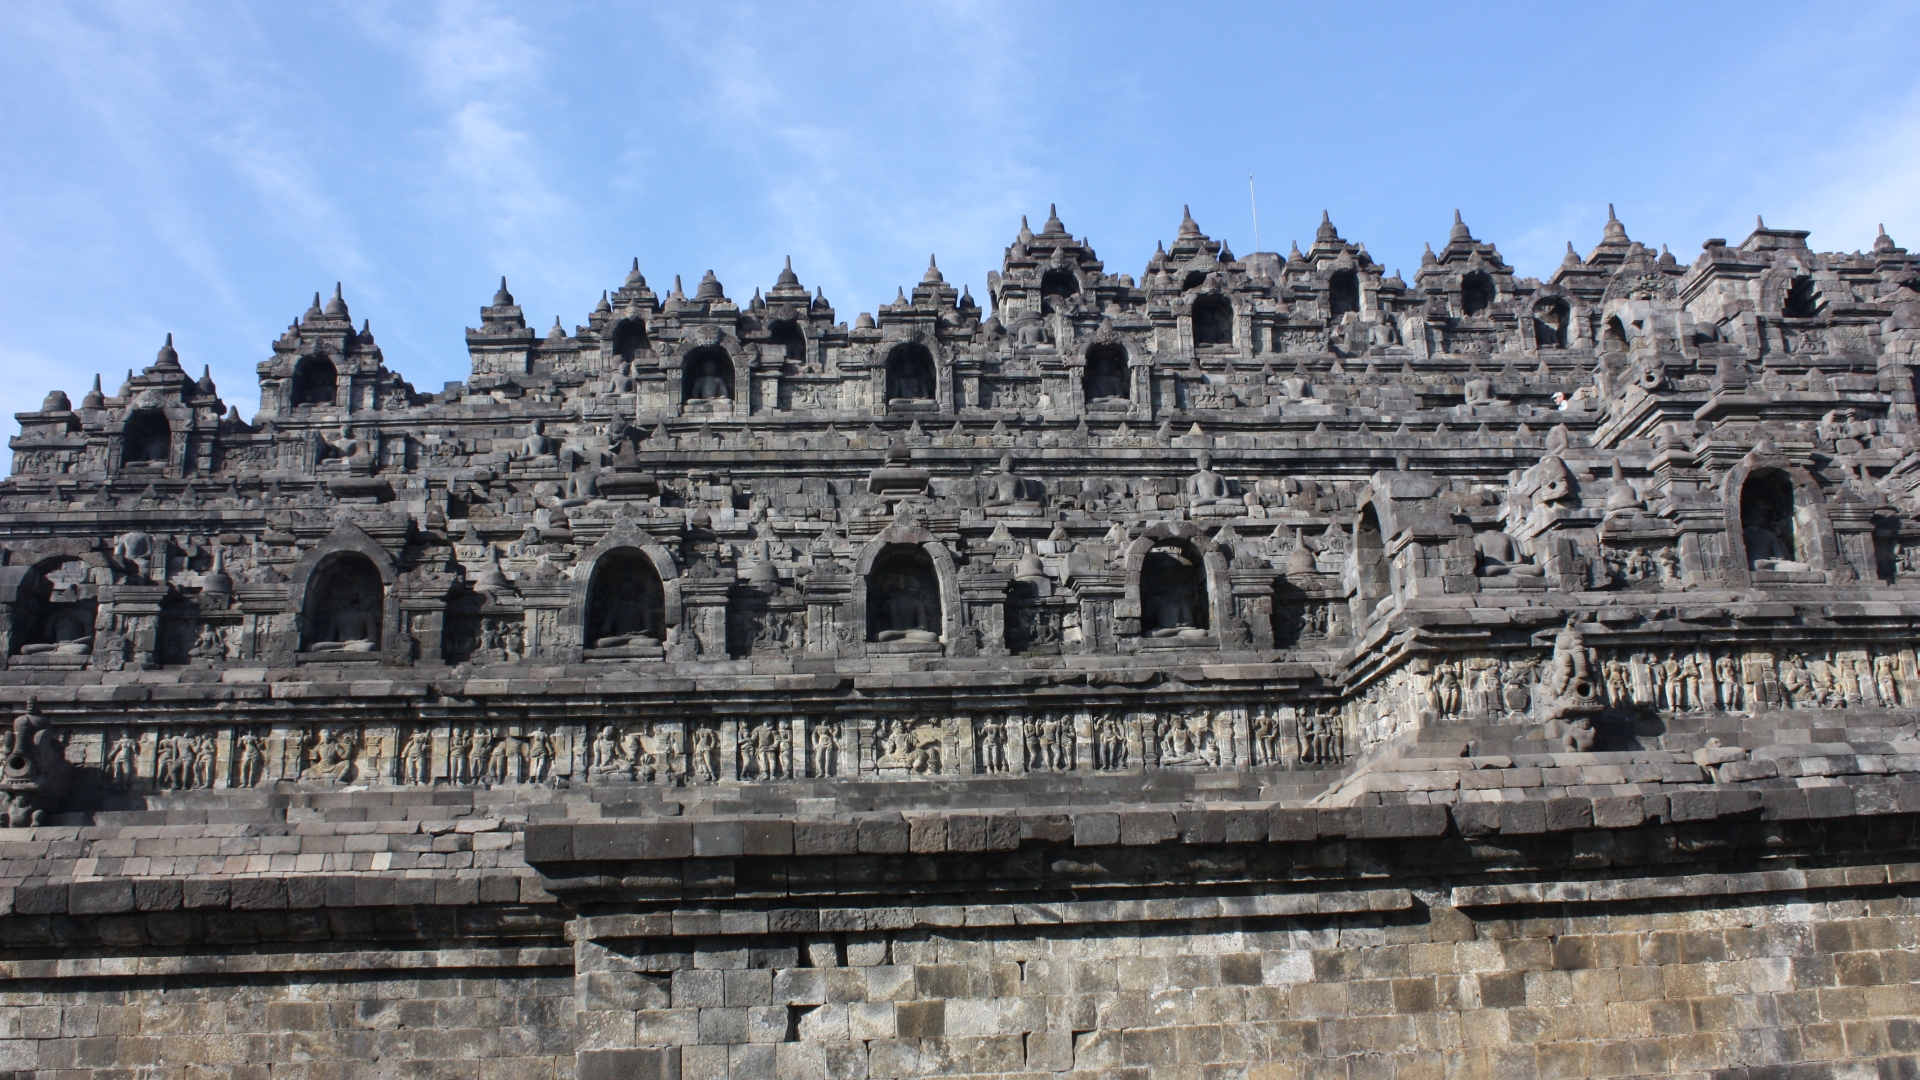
(1500, 556)
(710, 384)
(347, 446)
(1010, 493)
(537, 444)
(1208, 491)
(352, 626)
(1767, 551)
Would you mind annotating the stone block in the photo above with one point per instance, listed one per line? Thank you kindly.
(824, 838)
(1096, 830)
(883, 837)
(656, 1063)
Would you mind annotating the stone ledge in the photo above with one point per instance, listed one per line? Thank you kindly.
(1767, 881)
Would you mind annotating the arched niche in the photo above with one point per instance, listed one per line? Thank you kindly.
(1551, 318)
(626, 602)
(345, 606)
(342, 560)
(60, 610)
(706, 377)
(315, 382)
(1777, 523)
(911, 375)
(1162, 567)
(603, 571)
(789, 338)
(1476, 293)
(1057, 284)
(1343, 293)
(630, 339)
(891, 592)
(903, 596)
(1106, 380)
(146, 439)
(1212, 320)
(1173, 591)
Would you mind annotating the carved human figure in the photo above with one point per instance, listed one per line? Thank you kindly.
(1266, 739)
(993, 744)
(826, 748)
(1204, 487)
(706, 754)
(479, 753)
(763, 759)
(606, 750)
(1886, 673)
(205, 751)
(332, 757)
(208, 645)
(459, 746)
(416, 758)
(1499, 555)
(1729, 679)
(537, 444)
(250, 758)
(1478, 391)
(540, 754)
(711, 384)
(1006, 488)
(120, 762)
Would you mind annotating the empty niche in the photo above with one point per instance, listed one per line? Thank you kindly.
(909, 373)
(1055, 285)
(1803, 299)
(1173, 592)
(1343, 292)
(315, 382)
(707, 375)
(786, 334)
(630, 339)
(1476, 293)
(1212, 320)
(345, 599)
(146, 438)
(1550, 319)
(1106, 378)
(903, 596)
(626, 604)
(1613, 336)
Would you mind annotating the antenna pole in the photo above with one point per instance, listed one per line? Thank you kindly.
(1255, 203)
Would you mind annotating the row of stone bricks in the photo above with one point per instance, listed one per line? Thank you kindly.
(120, 895)
(551, 843)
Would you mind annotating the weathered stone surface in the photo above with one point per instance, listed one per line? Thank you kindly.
(1263, 667)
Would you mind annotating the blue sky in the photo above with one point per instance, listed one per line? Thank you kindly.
(203, 168)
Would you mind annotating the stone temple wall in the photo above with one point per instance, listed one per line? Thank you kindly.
(1264, 667)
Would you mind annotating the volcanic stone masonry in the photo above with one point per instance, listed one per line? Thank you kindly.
(1267, 667)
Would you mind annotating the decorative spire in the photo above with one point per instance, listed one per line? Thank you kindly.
(1572, 258)
(1759, 223)
(1188, 227)
(787, 279)
(603, 307)
(1326, 233)
(1025, 235)
(1883, 244)
(1615, 232)
(337, 307)
(677, 294)
(94, 399)
(166, 357)
(932, 276)
(366, 331)
(503, 298)
(314, 311)
(205, 385)
(1053, 227)
(1666, 257)
(1426, 258)
(1459, 233)
(634, 277)
(709, 288)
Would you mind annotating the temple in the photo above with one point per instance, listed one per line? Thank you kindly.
(1266, 666)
